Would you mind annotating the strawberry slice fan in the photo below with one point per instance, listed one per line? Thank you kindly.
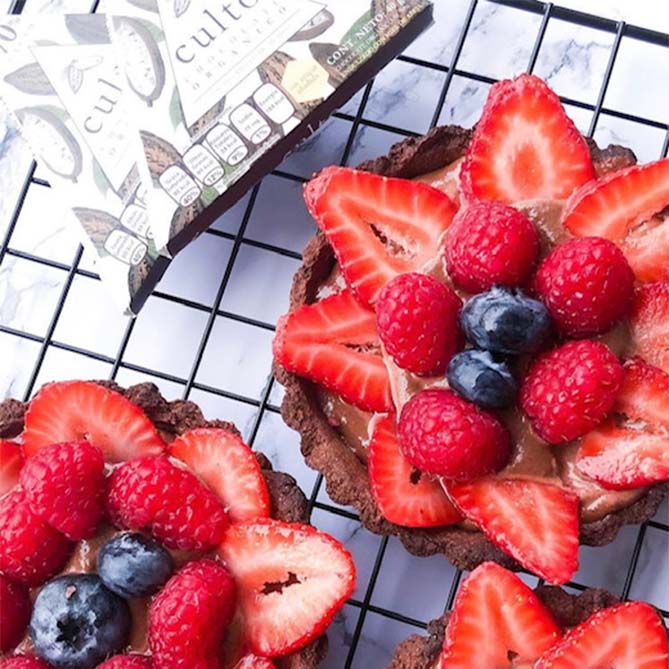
(602, 414)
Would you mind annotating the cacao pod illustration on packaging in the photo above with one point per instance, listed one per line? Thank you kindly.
(137, 274)
(317, 26)
(56, 145)
(322, 51)
(144, 66)
(183, 216)
(30, 79)
(272, 72)
(160, 154)
(395, 14)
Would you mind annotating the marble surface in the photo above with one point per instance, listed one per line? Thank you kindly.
(236, 344)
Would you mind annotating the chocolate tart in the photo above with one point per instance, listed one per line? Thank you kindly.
(422, 652)
(327, 450)
(287, 501)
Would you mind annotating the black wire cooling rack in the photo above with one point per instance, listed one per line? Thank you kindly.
(362, 607)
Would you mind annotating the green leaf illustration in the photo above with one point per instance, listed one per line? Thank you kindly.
(208, 196)
(176, 113)
(100, 178)
(351, 33)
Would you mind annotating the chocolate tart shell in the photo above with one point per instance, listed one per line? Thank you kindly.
(421, 652)
(287, 501)
(326, 451)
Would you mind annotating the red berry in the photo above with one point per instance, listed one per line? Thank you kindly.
(180, 511)
(15, 608)
(442, 434)
(587, 285)
(189, 617)
(490, 243)
(570, 390)
(23, 662)
(254, 662)
(65, 485)
(30, 550)
(11, 461)
(649, 324)
(131, 661)
(417, 319)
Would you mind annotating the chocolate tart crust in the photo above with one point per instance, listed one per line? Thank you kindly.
(287, 501)
(326, 451)
(421, 652)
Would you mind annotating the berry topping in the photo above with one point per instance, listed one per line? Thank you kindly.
(83, 410)
(334, 343)
(570, 390)
(587, 285)
(253, 662)
(30, 550)
(632, 449)
(132, 565)
(15, 607)
(442, 434)
(378, 227)
(65, 485)
(650, 324)
(77, 622)
(417, 319)
(505, 321)
(479, 378)
(228, 466)
(495, 617)
(11, 461)
(168, 500)
(404, 495)
(131, 661)
(291, 581)
(524, 146)
(490, 243)
(620, 207)
(625, 636)
(23, 662)
(535, 522)
(188, 619)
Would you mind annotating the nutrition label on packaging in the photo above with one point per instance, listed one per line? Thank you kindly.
(213, 45)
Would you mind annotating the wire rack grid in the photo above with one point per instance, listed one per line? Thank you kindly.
(213, 335)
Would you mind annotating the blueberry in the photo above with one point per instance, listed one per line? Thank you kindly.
(479, 378)
(506, 321)
(132, 565)
(77, 622)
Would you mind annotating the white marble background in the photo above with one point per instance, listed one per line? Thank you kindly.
(167, 335)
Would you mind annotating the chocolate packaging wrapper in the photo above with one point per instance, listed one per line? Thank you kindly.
(152, 121)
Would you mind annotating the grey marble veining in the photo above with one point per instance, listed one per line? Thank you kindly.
(237, 357)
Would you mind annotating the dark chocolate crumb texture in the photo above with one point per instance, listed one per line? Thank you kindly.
(219, 549)
(339, 407)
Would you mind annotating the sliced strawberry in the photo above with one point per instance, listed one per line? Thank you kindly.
(11, 461)
(525, 146)
(534, 522)
(379, 227)
(82, 410)
(254, 662)
(649, 323)
(625, 636)
(404, 495)
(621, 207)
(334, 342)
(496, 617)
(632, 449)
(291, 582)
(229, 467)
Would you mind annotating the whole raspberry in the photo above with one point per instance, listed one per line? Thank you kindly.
(587, 285)
(65, 485)
(170, 501)
(442, 434)
(23, 662)
(15, 607)
(131, 661)
(490, 243)
(570, 390)
(417, 320)
(188, 619)
(30, 550)
(253, 662)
